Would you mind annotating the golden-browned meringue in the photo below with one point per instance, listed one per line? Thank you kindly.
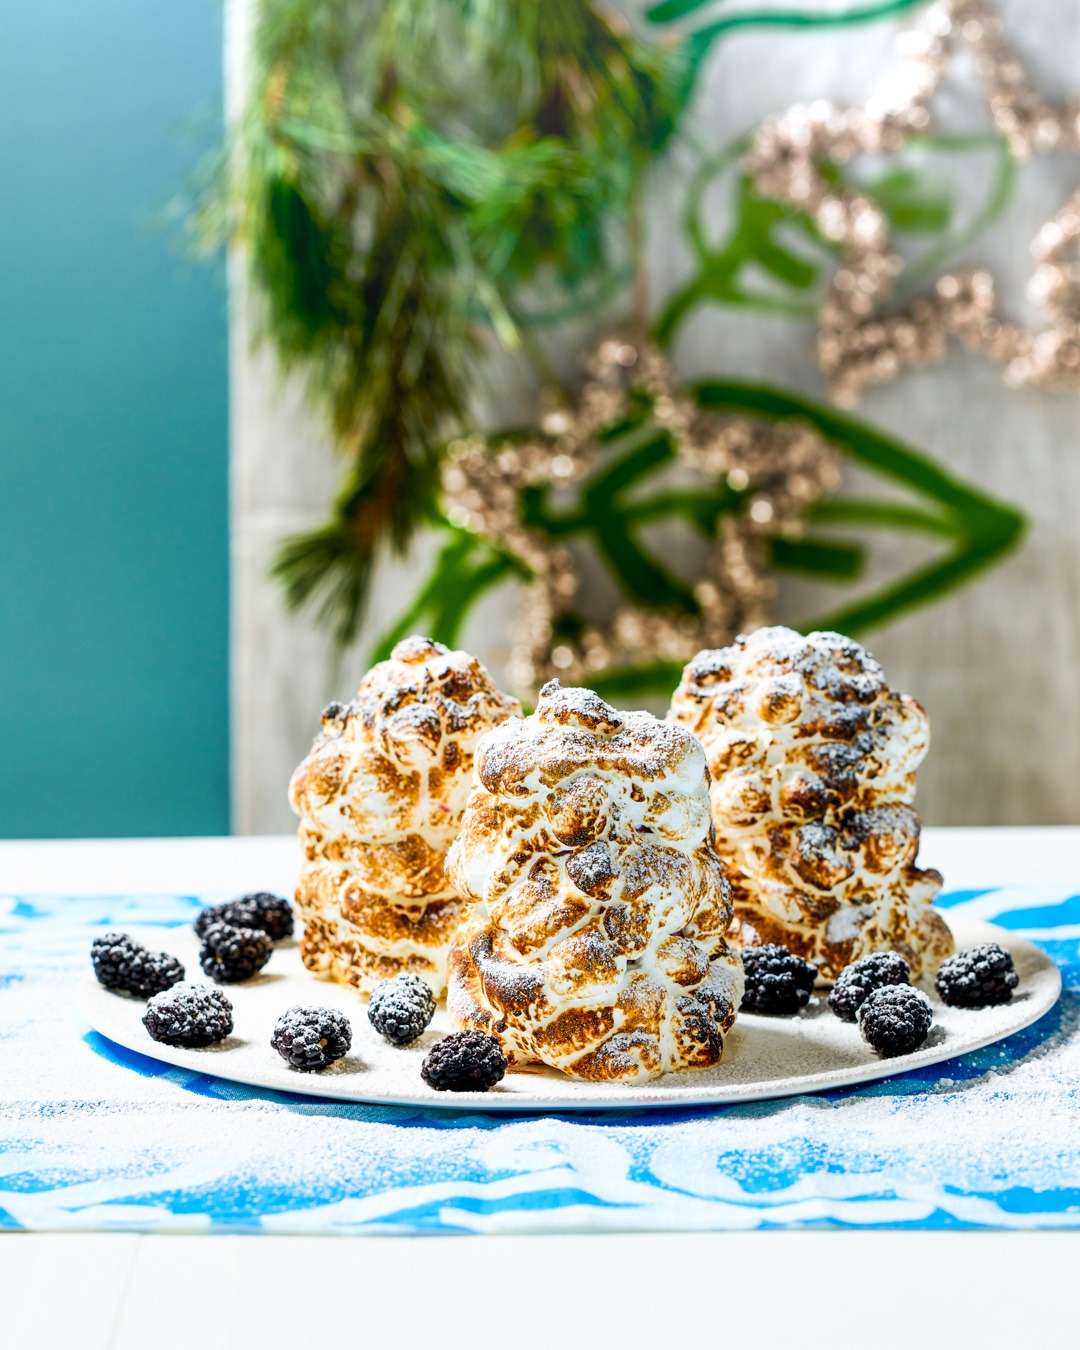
(380, 799)
(813, 761)
(594, 941)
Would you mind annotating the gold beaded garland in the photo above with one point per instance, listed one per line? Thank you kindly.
(858, 344)
(779, 468)
(782, 468)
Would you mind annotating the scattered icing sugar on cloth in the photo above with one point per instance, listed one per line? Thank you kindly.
(93, 1137)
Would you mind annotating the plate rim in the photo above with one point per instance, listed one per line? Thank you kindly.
(650, 1095)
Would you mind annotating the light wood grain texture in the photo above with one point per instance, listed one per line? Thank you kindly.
(238, 1293)
(996, 665)
(63, 1289)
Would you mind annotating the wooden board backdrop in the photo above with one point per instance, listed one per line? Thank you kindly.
(997, 665)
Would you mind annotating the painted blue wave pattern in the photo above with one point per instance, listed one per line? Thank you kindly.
(96, 1137)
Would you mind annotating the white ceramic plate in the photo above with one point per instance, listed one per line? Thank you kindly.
(764, 1057)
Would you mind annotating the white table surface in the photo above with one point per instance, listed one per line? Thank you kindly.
(828, 1289)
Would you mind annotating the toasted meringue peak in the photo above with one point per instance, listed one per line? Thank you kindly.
(380, 798)
(813, 761)
(594, 938)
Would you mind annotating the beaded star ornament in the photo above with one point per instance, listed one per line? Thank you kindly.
(859, 343)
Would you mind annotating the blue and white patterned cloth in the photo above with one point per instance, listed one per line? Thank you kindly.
(95, 1137)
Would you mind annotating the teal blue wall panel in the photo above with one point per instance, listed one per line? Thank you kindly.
(113, 429)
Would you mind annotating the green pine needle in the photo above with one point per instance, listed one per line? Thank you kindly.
(411, 177)
(406, 176)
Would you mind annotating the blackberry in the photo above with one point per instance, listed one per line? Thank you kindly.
(895, 1019)
(876, 971)
(978, 978)
(311, 1038)
(230, 955)
(122, 963)
(777, 981)
(191, 1015)
(401, 1008)
(268, 913)
(467, 1061)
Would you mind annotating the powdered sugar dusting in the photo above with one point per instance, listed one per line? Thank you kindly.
(380, 798)
(765, 1057)
(584, 851)
(813, 761)
(93, 1137)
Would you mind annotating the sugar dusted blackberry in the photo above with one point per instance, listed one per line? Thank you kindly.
(895, 1019)
(862, 977)
(467, 1061)
(211, 914)
(777, 981)
(268, 913)
(401, 1009)
(978, 978)
(112, 955)
(152, 972)
(123, 964)
(231, 955)
(191, 1015)
(311, 1038)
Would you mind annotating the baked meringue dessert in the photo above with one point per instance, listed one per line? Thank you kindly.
(594, 938)
(380, 799)
(813, 761)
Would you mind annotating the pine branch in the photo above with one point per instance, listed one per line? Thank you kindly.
(407, 176)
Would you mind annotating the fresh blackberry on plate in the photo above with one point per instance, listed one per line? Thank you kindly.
(269, 913)
(401, 1009)
(231, 955)
(211, 914)
(122, 963)
(311, 1038)
(467, 1061)
(895, 1019)
(777, 981)
(192, 1015)
(111, 955)
(862, 977)
(978, 978)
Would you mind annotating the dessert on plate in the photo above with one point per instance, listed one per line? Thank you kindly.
(594, 939)
(813, 761)
(380, 799)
